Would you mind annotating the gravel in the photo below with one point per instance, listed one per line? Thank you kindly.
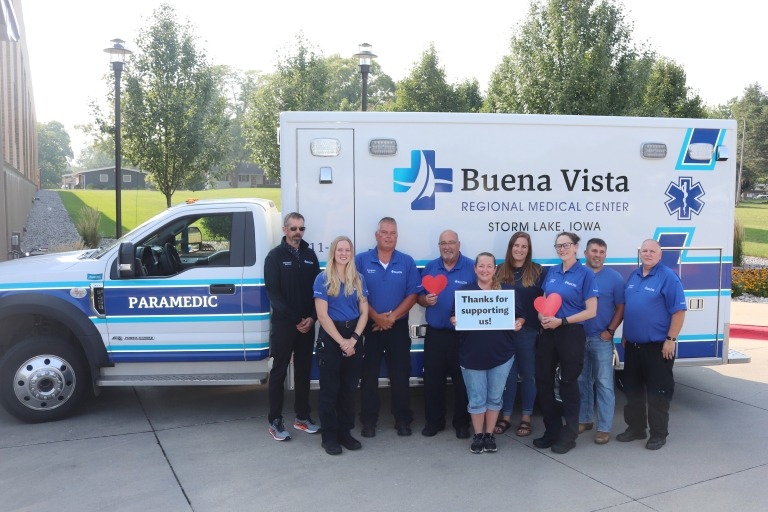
(42, 232)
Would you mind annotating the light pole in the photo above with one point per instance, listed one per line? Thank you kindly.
(366, 59)
(117, 53)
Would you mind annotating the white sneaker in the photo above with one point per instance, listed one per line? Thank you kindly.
(277, 430)
(306, 425)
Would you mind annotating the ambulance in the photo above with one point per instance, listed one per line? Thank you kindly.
(180, 300)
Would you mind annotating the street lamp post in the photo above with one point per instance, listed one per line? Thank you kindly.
(366, 59)
(117, 53)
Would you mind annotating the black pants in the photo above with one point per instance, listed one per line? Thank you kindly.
(564, 346)
(339, 378)
(286, 341)
(648, 383)
(394, 345)
(441, 360)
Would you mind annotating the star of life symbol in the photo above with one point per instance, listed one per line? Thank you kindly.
(684, 198)
(423, 178)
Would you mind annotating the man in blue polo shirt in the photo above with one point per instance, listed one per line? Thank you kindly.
(393, 285)
(596, 379)
(441, 342)
(653, 317)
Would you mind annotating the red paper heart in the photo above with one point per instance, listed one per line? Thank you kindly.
(434, 284)
(548, 305)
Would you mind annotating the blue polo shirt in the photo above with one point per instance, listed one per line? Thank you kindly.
(650, 303)
(342, 307)
(574, 286)
(610, 289)
(388, 287)
(462, 274)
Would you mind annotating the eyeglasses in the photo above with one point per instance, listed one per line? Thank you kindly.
(294, 228)
(450, 242)
(563, 246)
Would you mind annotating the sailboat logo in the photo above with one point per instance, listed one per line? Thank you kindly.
(423, 178)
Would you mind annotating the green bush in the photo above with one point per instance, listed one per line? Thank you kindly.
(87, 225)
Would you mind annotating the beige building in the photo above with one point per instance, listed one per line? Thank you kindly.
(20, 175)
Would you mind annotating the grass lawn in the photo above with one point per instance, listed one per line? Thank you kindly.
(139, 205)
(754, 216)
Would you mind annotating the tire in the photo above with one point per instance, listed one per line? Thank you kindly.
(42, 378)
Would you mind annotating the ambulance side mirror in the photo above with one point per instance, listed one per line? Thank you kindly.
(126, 260)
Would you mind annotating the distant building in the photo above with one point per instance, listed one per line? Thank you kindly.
(104, 179)
(246, 175)
(19, 171)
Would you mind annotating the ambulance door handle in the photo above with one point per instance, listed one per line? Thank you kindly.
(222, 289)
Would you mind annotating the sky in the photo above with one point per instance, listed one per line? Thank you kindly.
(719, 45)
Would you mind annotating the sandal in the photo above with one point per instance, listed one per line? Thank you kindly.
(501, 426)
(524, 429)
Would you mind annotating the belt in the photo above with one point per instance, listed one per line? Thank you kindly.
(643, 343)
(347, 324)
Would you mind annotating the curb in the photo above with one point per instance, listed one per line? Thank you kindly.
(752, 332)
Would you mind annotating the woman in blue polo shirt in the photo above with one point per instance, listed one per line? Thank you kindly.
(342, 311)
(562, 342)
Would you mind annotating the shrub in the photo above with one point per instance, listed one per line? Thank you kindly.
(88, 226)
(752, 280)
(738, 243)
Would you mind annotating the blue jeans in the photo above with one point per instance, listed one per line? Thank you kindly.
(523, 365)
(485, 387)
(596, 381)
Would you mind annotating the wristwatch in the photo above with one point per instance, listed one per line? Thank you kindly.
(565, 321)
(610, 331)
(355, 335)
(670, 338)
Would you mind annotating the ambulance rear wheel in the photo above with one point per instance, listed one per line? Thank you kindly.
(42, 378)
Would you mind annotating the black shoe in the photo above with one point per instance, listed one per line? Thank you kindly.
(563, 446)
(331, 448)
(489, 443)
(368, 430)
(630, 435)
(462, 432)
(478, 444)
(350, 443)
(431, 430)
(403, 429)
(654, 443)
(543, 442)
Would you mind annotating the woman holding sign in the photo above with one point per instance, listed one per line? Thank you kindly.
(485, 354)
(342, 310)
(570, 299)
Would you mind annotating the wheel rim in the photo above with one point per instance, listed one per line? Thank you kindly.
(44, 382)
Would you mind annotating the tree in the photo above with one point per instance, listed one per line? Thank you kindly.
(425, 89)
(174, 117)
(752, 110)
(237, 87)
(568, 57)
(301, 82)
(54, 148)
(667, 95)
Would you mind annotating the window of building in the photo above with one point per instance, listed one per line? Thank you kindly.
(103, 178)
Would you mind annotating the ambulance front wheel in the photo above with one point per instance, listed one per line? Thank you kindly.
(42, 378)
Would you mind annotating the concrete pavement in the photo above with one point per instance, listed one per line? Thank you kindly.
(207, 449)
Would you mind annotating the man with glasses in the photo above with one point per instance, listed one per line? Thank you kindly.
(289, 274)
(441, 342)
(393, 284)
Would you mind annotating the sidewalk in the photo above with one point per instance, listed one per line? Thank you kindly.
(749, 320)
